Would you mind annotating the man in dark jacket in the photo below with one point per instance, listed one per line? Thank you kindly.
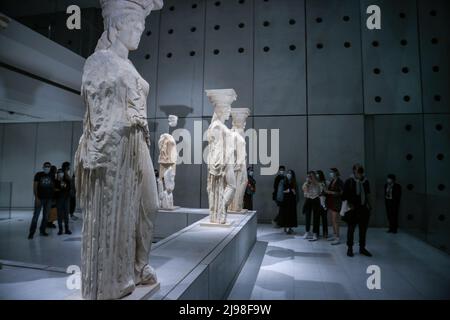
(357, 192)
(392, 196)
(276, 183)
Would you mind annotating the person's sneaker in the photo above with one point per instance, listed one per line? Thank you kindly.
(365, 252)
(290, 231)
(307, 235)
(68, 231)
(350, 252)
(314, 237)
(30, 236)
(60, 232)
(336, 241)
(44, 234)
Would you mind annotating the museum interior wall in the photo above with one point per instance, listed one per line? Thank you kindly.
(339, 94)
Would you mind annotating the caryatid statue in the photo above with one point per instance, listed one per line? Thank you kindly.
(239, 117)
(115, 181)
(221, 183)
(167, 166)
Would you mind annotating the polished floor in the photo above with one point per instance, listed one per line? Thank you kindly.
(280, 266)
(288, 267)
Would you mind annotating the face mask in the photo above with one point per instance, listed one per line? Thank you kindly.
(250, 173)
(46, 170)
(289, 176)
(317, 177)
(281, 172)
(332, 175)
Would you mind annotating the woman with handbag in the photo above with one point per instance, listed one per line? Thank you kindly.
(311, 191)
(334, 202)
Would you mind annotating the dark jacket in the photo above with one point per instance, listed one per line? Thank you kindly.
(350, 195)
(396, 193)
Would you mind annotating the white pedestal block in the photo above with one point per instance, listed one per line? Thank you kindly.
(229, 224)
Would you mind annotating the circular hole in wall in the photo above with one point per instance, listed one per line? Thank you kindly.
(406, 98)
(410, 187)
(266, 49)
(375, 43)
(441, 217)
(433, 13)
(216, 27)
(346, 18)
(437, 98)
(172, 8)
(241, 1)
(403, 42)
(194, 6)
(241, 50)
(319, 46)
(149, 33)
(402, 15)
(147, 56)
(169, 55)
(292, 47)
(434, 41)
(405, 69)
(241, 25)
(319, 20)
(440, 156)
(266, 23)
(292, 22)
(217, 3)
(438, 127)
(192, 53)
(435, 68)
(170, 31)
(441, 187)
(409, 157)
(408, 127)
(193, 29)
(376, 71)
(347, 44)
(216, 51)
(378, 99)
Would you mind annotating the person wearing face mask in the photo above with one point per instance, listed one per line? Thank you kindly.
(288, 206)
(249, 190)
(356, 193)
(276, 191)
(334, 202)
(392, 196)
(323, 206)
(311, 207)
(62, 195)
(53, 213)
(43, 189)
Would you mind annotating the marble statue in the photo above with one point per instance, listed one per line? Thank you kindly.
(115, 180)
(239, 117)
(221, 182)
(167, 166)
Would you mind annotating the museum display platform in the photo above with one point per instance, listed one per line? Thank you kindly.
(195, 262)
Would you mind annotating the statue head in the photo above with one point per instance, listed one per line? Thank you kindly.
(221, 99)
(173, 120)
(239, 116)
(124, 21)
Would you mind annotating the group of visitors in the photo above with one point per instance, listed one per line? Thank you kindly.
(348, 200)
(53, 190)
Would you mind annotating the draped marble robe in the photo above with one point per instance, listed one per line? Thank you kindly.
(240, 170)
(221, 184)
(167, 169)
(115, 181)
